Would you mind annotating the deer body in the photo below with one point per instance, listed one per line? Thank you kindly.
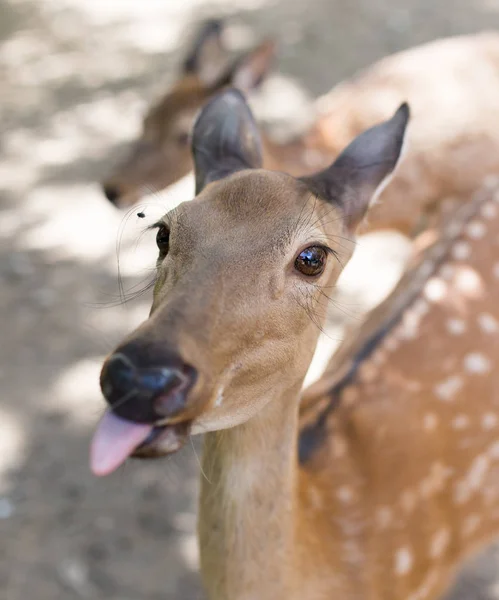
(452, 86)
(415, 417)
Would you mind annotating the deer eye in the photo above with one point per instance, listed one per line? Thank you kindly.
(163, 239)
(311, 261)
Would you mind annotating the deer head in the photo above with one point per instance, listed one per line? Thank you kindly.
(241, 277)
(162, 154)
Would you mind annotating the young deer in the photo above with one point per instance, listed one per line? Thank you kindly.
(243, 270)
(452, 86)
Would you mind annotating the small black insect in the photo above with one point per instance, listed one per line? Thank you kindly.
(141, 215)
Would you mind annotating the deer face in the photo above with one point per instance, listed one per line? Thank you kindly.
(244, 272)
(162, 155)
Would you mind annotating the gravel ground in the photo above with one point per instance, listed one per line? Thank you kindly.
(75, 77)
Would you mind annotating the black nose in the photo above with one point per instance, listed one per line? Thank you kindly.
(145, 394)
(112, 193)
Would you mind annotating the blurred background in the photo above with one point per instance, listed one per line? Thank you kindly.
(75, 79)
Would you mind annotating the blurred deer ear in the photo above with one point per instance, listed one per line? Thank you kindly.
(225, 139)
(250, 69)
(363, 169)
(207, 57)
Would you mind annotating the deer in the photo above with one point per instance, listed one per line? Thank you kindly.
(236, 314)
(453, 88)
(406, 416)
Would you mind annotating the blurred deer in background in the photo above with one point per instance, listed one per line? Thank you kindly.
(162, 155)
(453, 88)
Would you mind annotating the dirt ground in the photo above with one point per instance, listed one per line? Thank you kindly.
(74, 79)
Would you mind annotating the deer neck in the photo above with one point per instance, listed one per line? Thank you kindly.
(246, 517)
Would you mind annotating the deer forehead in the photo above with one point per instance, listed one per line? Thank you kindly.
(262, 209)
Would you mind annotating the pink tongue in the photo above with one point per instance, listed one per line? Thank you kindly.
(114, 441)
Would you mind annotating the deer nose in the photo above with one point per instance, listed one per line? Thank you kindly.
(112, 193)
(145, 394)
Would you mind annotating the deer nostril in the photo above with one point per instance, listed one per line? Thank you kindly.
(144, 394)
(172, 396)
(119, 376)
(160, 380)
(112, 193)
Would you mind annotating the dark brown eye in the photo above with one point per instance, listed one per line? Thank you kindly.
(311, 261)
(163, 239)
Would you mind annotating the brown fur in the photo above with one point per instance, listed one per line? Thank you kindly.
(411, 447)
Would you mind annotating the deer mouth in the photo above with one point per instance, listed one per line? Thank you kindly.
(163, 440)
(116, 440)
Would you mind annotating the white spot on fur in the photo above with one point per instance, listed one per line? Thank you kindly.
(436, 479)
(488, 323)
(220, 398)
(467, 281)
(430, 421)
(476, 230)
(495, 270)
(456, 326)
(448, 388)
(479, 468)
(384, 517)
(403, 561)
(473, 479)
(345, 494)
(439, 543)
(460, 422)
(435, 289)
(476, 362)
(489, 421)
(470, 524)
(461, 251)
(409, 327)
(489, 210)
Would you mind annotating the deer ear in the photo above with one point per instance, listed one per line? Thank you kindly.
(250, 69)
(207, 57)
(363, 169)
(225, 139)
